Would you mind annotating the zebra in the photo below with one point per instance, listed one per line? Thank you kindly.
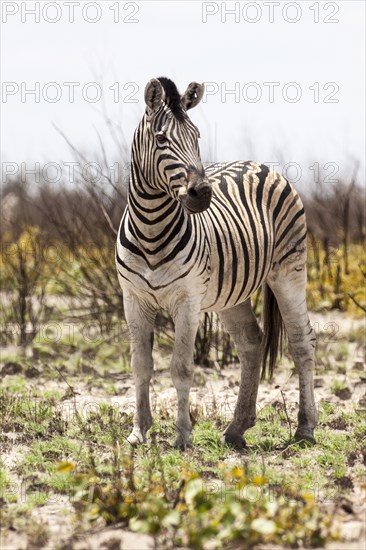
(195, 239)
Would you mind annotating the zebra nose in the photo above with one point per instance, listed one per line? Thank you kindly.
(199, 191)
(192, 192)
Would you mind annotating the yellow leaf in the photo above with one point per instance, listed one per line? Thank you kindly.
(65, 467)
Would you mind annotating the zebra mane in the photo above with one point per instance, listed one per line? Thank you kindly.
(172, 98)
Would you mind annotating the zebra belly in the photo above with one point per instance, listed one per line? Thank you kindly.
(229, 286)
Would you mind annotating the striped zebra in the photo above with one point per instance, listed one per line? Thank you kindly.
(195, 240)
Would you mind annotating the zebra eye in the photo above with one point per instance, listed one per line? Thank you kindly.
(161, 138)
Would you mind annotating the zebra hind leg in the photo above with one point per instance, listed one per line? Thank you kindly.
(242, 325)
(289, 289)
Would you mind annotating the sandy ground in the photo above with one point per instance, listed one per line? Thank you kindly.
(211, 386)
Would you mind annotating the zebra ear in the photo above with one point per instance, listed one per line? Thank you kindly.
(193, 95)
(154, 94)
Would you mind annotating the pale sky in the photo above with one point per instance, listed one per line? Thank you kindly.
(286, 49)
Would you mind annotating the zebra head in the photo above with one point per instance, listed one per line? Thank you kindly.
(168, 148)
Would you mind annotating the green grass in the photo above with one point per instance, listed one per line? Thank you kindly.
(206, 440)
(4, 480)
(341, 351)
(270, 453)
(89, 442)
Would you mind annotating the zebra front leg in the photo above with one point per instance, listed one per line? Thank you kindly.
(186, 320)
(141, 327)
(242, 326)
(290, 292)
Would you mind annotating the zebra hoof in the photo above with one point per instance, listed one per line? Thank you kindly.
(234, 440)
(182, 444)
(305, 437)
(135, 439)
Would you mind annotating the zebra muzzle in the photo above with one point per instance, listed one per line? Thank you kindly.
(196, 197)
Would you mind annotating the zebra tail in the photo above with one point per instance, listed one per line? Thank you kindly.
(273, 328)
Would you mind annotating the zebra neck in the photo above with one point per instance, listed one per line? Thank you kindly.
(156, 220)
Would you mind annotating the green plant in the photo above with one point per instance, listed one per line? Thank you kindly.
(194, 511)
